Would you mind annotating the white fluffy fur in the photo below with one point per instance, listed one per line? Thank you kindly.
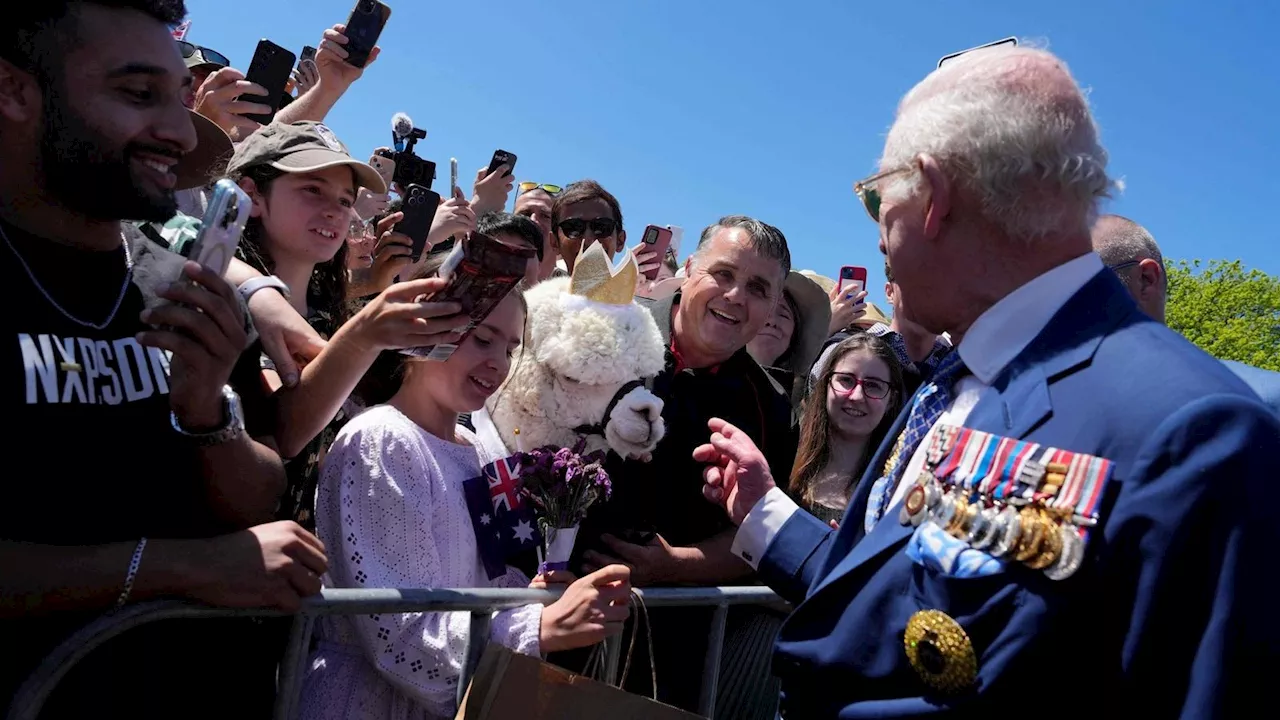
(579, 355)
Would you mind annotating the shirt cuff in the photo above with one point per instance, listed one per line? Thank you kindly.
(762, 525)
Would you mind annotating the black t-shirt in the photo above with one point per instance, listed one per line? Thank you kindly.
(92, 456)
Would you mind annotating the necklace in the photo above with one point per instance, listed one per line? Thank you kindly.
(124, 286)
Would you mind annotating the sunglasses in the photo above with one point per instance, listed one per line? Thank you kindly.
(1121, 266)
(575, 228)
(845, 384)
(189, 51)
(870, 195)
(551, 190)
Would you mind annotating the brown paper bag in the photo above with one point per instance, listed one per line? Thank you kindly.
(510, 685)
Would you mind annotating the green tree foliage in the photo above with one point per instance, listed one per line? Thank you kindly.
(1229, 312)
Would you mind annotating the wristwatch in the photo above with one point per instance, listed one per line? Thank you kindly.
(233, 423)
(253, 285)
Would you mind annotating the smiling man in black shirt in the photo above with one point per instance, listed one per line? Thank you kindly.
(123, 372)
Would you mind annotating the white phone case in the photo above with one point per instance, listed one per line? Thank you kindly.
(224, 221)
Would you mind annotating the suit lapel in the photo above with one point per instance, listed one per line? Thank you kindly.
(1021, 403)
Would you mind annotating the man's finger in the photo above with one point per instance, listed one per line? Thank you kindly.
(716, 425)
(599, 560)
(244, 107)
(273, 345)
(625, 550)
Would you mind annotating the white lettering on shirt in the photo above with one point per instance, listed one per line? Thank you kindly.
(87, 371)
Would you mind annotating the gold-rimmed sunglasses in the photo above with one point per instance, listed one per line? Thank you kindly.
(551, 190)
(870, 195)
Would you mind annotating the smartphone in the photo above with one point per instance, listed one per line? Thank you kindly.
(271, 67)
(481, 271)
(420, 205)
(852, 278)
(224, 221)
(413, 170)
(385, 166)
(502, 157)
(656, 240)
(308, 53)
(453, 177)
(1010, 41)
(363, 29)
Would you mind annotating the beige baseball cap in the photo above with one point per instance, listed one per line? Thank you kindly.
(301, 147)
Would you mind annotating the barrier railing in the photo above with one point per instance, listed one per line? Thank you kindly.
(480, 602)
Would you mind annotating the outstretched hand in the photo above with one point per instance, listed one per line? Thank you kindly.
(737, 474)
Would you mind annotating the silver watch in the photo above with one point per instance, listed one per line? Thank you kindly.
(253, 285)
(233, 423)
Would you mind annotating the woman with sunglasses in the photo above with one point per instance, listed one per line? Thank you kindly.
(858, 396)
(583, 214)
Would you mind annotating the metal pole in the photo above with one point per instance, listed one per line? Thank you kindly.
(477, 639)
(711, 667)
(289, 679)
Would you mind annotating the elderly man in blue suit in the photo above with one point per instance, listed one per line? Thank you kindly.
(1156, 597)
(1130, 250)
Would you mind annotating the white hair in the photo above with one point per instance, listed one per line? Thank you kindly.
(1027, 150)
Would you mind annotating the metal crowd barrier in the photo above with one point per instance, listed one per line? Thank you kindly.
(480, 602)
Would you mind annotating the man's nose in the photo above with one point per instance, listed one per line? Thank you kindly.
(176, 128)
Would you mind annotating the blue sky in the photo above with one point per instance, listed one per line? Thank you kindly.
(690, 109)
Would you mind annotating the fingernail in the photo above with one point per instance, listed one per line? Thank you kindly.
(146, 315)
(291, 379)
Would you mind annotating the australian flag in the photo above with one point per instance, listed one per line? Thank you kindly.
(503, 522)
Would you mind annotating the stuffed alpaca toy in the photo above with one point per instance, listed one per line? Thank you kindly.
(589, 348)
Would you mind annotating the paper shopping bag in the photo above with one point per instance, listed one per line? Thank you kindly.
(510, 685)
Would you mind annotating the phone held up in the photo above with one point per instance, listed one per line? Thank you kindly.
(481, 271)
(852, 279)
(223, 222)
(364, 27)
(453, 177)
(420, 206)
(308, 53)
(656, 240)
(271, 67)
(502, 157)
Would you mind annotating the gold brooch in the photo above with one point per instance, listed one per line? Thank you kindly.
(940, 651)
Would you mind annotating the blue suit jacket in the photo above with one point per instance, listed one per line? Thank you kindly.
(1264, 382)
(1173, 611)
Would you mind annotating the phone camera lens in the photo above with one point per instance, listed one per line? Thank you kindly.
(366, 6)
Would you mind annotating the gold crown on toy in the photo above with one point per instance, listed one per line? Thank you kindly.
(596, 278)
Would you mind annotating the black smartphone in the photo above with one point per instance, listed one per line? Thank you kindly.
(420, 205)
(413, 170)
(363, 29)
(502, 157)
(308, 53)
(271, 67)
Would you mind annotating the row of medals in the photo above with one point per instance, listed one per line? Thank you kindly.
(1029, 531)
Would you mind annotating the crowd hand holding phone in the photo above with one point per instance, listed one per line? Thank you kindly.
(204, 328)
(305, 76)
(492, 189)
(392, 253)
(456, 217)
(402, 316)
(219, 99)
(847, 305)
(331, 60)
(370, 204)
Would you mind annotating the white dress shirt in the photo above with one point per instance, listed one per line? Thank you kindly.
(994, 340)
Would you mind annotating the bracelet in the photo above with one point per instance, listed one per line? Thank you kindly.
(132, 575)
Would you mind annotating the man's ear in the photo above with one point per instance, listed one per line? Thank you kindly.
(622, 240)
(888, 292)
(259, 202)
(1150, 276)
(20, 98)
(937, 196)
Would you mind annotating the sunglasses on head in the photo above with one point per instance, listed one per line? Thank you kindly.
(189, 51)
(575, 228)
(551, 190)
(869, 194)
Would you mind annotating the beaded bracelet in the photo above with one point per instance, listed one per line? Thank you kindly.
(132, 575)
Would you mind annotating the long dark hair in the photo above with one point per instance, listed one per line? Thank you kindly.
(327, 289)
(815, 426)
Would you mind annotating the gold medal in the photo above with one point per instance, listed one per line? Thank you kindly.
(913, 506)
(940, 651)
(1051, 548)
(1032, 534)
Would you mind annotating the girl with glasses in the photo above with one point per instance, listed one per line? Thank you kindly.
(858, 395)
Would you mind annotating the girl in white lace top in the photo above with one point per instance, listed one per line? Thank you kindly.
(392, 513)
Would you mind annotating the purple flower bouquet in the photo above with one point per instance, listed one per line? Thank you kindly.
(562, 483)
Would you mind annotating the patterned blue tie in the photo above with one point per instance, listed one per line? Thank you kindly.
(930, 401)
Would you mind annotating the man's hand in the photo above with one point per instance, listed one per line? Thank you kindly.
(272, 566)
(370, 204)
(651, 564)
(455, 217)
(305, 76)
(737, 475)
(286, 337)
(331, 60)
(846, 307)
(491, 190)
(205, 331)
(218, 98)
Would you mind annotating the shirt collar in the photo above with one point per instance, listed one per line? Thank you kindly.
(1002, 332)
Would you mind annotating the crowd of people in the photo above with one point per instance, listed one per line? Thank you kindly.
(245, 440)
